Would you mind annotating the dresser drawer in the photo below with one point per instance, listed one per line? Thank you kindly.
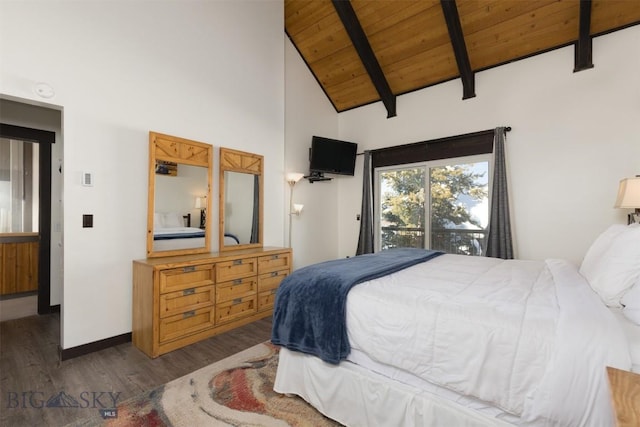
(266, 299)
(275, 262)
(186, 323)
(269, 281)
(237, 288)
(177, 279)
(236, 269)
(233, 309)
(189, 299)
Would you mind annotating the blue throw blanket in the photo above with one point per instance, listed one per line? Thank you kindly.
(173, 236)
(310, 308)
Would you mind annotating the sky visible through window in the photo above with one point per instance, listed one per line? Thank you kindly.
(479, 209)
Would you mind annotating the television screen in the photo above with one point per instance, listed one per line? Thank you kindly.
(332, 156)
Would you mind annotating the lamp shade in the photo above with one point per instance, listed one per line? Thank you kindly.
(628, 193)
(201, 202)
(293, 177)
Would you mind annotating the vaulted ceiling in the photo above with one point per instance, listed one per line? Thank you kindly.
(364, 51)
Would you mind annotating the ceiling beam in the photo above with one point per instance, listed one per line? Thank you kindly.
(361, 43)
(583, 49)
(467, 75)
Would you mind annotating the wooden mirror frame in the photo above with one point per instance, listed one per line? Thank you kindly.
(242, 162)
(179, 151)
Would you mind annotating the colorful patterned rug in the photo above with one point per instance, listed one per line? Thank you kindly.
(236, 391)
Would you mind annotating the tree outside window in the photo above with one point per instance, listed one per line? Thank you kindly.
(457, 211)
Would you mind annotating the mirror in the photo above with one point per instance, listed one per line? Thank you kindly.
(241, 176)
(179, 196)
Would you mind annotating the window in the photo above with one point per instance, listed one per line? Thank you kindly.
(440, 204)
(18, 186)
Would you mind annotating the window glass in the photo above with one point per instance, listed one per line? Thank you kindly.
(452, 194)
(459, 208)
(19, 192)
(402, 213)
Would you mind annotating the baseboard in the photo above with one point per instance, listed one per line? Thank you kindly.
(81, 350)
(18, 295)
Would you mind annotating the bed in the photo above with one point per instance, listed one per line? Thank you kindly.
(231, 239)
(464, 341)
(173, 231)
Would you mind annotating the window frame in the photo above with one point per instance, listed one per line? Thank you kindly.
(427, 165)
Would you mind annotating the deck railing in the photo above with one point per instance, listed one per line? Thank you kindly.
(449, 240)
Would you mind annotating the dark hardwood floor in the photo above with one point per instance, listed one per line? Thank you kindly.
(31, 372)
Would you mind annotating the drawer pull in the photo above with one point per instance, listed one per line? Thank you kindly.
(188, 269)
(274, 274)
(237, 262)
(275, 257)
(189, 291)
(188, 314)
(273, 291)
(237, 281)
(237, 301)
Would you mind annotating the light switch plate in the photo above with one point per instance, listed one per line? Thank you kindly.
(87, 179)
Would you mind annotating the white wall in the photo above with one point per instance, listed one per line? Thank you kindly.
(208, 71)
(314, 234)
(575, 135)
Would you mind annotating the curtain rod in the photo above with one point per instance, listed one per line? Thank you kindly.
(506, 129)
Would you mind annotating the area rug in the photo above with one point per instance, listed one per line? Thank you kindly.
(236, 391)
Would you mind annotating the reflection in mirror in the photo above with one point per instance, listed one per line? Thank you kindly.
(240, 218)
(178, 207)
(179, 196)
(241, 214)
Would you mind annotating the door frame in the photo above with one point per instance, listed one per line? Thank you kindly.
(45, 138)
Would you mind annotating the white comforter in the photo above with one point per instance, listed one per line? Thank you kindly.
(186, 231)
(529, 337)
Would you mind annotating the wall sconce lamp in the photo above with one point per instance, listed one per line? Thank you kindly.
(629, 197)
(201, 203)
(292, 179)
(297, 209)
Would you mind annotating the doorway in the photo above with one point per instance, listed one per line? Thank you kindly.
(40, 125)
(17, 139)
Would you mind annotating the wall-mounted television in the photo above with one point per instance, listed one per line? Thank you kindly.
(332, 156)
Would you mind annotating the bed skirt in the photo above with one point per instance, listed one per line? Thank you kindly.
(355, 396)
(176, 244)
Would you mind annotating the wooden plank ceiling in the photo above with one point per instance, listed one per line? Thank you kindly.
(413, 42)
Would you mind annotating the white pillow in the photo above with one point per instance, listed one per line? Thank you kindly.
(173, 220)
(631, 303)
(157, 220)
(611, 270)
(598, 249)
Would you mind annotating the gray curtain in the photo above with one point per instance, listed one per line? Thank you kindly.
(255, 223)
(499, 244)
(365, 241)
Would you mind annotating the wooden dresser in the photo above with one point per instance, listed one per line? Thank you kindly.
(180, 300)
(18, 262)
